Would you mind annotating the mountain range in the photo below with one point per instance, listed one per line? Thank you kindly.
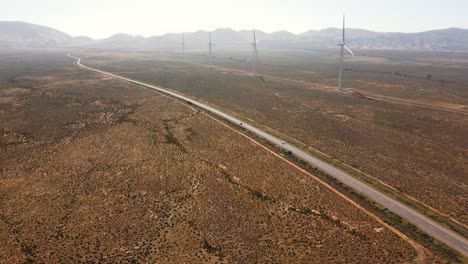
(22, 35)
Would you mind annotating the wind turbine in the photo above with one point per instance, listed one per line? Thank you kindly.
(254, 54)
(210, 48)
(183, 45)
(343, 47)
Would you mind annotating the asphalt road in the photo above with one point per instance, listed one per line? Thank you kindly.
(431, 227)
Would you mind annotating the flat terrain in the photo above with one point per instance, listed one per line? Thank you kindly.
(412, 137)
(98, 170)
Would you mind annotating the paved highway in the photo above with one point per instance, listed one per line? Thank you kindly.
(431, 227)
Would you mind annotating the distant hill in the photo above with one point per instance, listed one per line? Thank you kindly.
(82, 40)
(19, 35)
(25, 35)
(452, 39)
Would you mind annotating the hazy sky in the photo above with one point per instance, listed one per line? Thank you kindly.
(102, 18)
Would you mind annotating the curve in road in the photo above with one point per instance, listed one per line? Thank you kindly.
(429, 226)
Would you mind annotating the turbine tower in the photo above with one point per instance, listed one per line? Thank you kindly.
(183, 45)
(210, 49)
(254, 54)
(343, 47)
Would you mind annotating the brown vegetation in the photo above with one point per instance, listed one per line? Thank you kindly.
(97, 170)
(419, 151)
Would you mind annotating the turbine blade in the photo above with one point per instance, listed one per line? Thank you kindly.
(350, 51)
(344, 29)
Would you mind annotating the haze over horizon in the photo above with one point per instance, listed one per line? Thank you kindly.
(144, 17)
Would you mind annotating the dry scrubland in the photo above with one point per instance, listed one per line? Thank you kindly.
(422, 152)
(96, 170)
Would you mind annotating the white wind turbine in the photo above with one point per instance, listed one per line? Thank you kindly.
(254, 53)
(343, 47)
(183, 45)
(210, 49)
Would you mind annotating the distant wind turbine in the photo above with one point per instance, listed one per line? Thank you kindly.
(343, 47)
(210, 49)
(254, 53)
(183, 45)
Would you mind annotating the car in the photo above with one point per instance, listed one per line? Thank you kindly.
(241, 123)
(282, 142)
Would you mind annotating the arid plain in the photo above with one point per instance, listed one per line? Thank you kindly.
(402, 119)
(97, 170)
